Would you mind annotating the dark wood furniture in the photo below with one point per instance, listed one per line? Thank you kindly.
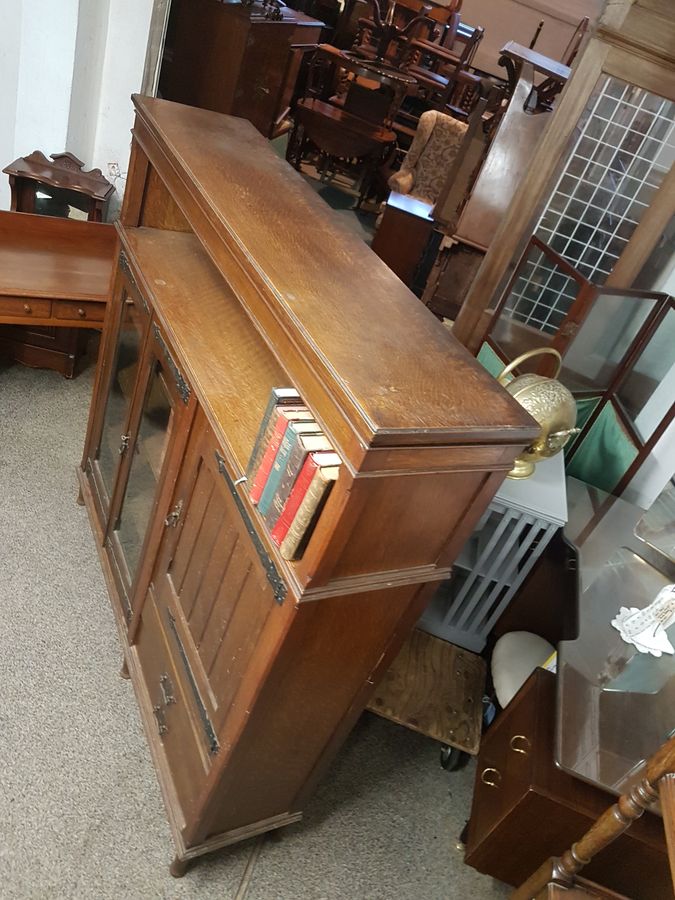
(236, 58)
(235, 278)
(64, 179)
(54, 272)
(657, 782)
(473, 206)
(53, 187)
(525, 809)
(344, 121)
(403, 234)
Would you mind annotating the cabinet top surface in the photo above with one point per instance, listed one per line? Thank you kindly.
(41, 256)
(371, 339)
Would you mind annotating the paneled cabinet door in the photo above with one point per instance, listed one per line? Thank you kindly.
(111, 434)
(214, 585)
(160, 401)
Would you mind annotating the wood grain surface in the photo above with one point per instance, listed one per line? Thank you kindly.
(42, 256)
(435, 688)
(404, 378)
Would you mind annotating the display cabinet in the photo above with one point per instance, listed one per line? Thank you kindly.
(234, 279)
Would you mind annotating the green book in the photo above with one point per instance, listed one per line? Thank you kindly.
(279, 465)
(306, 442)
(278, 397)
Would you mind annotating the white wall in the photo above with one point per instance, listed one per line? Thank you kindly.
(67, 70)
(92, 33)
(10, 49)
(122, 75)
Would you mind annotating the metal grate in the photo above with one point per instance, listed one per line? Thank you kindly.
(624, 146)
(490, 570)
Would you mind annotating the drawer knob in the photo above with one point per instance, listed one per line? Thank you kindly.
(27, 308)
(81, 312)
(491, 777)
(520, 744)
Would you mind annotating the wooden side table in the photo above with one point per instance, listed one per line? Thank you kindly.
(58, 187)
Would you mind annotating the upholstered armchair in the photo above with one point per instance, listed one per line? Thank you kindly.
(434, 148)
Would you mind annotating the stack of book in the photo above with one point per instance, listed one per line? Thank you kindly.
(291, 471)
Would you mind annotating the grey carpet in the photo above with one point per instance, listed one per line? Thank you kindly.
(80, 810)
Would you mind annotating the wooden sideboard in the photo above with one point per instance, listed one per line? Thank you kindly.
(235, 278)
(53, 272)
(526, 810)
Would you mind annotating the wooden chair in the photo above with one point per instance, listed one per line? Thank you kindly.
(439, 65)
(557, 877)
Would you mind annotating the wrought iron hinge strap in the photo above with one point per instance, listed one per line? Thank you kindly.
(181, 384)
(211, 737)
(273, 576)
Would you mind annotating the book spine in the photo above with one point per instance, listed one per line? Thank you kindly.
(303, 518)
(294, 462)
(289, 440)
(278, 397)
(295, 498)
(267, 461)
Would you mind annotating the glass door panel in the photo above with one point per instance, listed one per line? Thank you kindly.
(118, 403)
(623, 147)
(648, 391)
(149, 450)
(612, 324)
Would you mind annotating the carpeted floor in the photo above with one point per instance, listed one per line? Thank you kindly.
(80, 807)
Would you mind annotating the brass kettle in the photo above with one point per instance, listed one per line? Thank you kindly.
(548, 402)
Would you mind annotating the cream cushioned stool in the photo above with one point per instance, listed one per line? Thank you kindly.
(516, 655)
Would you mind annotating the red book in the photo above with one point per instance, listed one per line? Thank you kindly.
(312, 462)
(278, 424)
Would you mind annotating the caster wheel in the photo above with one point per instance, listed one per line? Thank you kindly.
(451, 758)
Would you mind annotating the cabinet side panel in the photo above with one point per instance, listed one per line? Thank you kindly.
(333, 654)
(406, 521)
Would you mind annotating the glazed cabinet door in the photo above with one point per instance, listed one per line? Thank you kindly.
(212, 591)
(114, 401)
(160, 410)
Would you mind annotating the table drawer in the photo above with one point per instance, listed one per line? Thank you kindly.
(28, 307)
(187, 761)
(85, 311)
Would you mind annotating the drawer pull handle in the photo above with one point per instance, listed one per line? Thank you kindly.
(158, 712)
(27, 309)
(166, 688)
(81, 312)
(520, 744)
(491, 777)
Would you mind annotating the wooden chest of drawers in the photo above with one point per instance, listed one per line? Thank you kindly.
(525, 809)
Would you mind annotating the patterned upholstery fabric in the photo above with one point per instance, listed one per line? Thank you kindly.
(432, 152)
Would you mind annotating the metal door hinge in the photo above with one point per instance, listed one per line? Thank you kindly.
(172, 519)
(124, 444)
(166, 688)
(158, 712)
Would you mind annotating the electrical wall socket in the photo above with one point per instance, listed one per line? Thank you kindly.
(114, 170)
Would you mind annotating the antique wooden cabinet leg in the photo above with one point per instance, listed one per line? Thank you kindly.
(80, 497)
(124, 671)
(179, 867)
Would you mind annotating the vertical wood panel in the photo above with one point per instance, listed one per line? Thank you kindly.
(221, 612)
(193, 516)
(216, 571)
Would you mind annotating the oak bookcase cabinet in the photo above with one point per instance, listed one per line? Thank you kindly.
(234, 278)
